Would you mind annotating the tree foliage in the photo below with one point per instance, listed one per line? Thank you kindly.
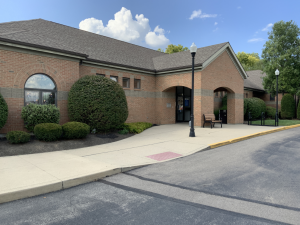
(282, 52)
(173, 48)
(250, 61)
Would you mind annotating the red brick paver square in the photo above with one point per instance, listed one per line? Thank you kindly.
(164, 156)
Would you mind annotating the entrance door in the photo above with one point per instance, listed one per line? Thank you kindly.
(183, 106)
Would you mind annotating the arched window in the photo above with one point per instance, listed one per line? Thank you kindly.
(40, 89)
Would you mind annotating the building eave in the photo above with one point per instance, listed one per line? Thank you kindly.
(40, 48)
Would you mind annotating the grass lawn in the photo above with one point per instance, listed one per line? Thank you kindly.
(281, 122)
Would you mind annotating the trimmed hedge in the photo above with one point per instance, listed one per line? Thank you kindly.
(99, 102)
(137, 127)
(288, 106)
(298, 111)
(48, 131)
(255, 106)
(270, 112)
(3, 111)
(34, 114)
(74, 130)
(17, 136)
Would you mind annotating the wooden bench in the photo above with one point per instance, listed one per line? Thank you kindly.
(211, 118)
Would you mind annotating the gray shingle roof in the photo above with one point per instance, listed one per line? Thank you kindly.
(47, 34)
(254, 81)
(183, 59)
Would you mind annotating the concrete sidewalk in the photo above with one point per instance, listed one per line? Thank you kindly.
(29, 175)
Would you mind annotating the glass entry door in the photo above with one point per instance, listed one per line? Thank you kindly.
(183, 106)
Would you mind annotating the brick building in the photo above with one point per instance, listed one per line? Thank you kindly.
(253, 88)
(40, 61)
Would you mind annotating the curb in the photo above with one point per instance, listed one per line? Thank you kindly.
(60, 185)
(231, 141)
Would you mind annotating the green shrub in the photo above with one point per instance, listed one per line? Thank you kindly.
(17, 136)
(3, 111)
(48, 131)
(137, 127)
(298, 111)
(124, 131)
(216, 112)
(34, 114)
(255, 106)
(288, 106)
(99, 102)
(270, 112)
(246, 101)
(73, 130)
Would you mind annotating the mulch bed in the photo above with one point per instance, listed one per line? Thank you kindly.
(36, 146)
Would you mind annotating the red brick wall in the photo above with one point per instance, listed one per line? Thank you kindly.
(222, 73)
(17, 67)
(148, 104)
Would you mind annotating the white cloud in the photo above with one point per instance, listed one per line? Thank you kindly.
(123, 27)
(215, 29)
(199, 14)
(216, 23)
(239, 7)
(157, 38)
(267, 27)
(256, 40)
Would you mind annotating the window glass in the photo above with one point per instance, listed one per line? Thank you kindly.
(48, 98)
(137, 83)
(40, 89)
(126, 82)
(272, 98)
(216, 94)
(114, 78)
(32, 97)
(40, 81)
(102, 75)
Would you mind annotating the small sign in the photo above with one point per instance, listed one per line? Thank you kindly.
(169, 105)
(187, 102)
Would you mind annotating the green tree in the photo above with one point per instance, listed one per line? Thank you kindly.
(282, 52)
(174, 48)
(250, 61)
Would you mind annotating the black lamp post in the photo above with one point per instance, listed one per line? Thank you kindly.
(276, 118)
(193, 50)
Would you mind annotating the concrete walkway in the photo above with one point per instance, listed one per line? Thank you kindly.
(29, 175)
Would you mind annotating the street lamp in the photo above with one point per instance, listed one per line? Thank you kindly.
(276, 118)
(193, 50)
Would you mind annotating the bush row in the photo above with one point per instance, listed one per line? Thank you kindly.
(137, 127)
(51, 132)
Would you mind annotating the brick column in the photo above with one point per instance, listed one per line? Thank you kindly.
(235, 108)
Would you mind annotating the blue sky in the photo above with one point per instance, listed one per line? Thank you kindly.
(243, 23)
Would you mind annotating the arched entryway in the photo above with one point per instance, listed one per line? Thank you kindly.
(220, 103)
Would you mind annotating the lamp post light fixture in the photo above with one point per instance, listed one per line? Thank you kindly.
(193, 50)
(276, 118)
